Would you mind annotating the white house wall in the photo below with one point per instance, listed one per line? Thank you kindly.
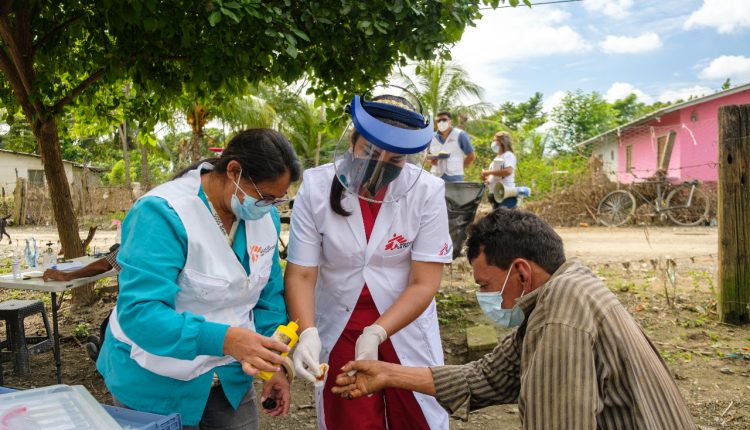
(10, 162)
(606, 151)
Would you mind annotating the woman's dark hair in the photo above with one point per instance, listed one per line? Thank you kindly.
(507, 234)
(337, 189)
(264, 154)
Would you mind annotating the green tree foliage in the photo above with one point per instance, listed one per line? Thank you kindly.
(444, 85)
(18, 136)
(578, 117)
(116, 175)
(52, 52)
(528, 113)
(281, 107)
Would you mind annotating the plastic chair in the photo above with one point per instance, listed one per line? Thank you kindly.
(19, 346)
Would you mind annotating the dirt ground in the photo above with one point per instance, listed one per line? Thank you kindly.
(710, 360)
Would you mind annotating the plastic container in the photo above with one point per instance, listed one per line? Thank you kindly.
(57, 407)
(16, 267)
(48, 258)
(135, 420)
(286, 334)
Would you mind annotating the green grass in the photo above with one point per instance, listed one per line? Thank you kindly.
(452, 309)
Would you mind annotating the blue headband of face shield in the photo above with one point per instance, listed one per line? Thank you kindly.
(386, 136)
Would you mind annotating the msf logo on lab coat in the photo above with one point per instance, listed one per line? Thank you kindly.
(397, 242)
(256, 252)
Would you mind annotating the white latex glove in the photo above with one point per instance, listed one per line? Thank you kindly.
(307, 355)
(367, 344)
(369, 341)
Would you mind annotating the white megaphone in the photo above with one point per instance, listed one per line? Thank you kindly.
(500, 192)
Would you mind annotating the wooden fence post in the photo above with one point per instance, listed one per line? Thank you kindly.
(20, 196)
(734, 214)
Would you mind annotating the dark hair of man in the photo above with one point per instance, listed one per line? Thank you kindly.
(444, 113)
(337, 189)
(263, 154)
(507, 234)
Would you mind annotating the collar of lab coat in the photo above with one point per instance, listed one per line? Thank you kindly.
(387, 214)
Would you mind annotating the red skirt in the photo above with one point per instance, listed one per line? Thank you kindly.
(394, 409)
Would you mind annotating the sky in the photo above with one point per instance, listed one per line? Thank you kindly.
(660, 50)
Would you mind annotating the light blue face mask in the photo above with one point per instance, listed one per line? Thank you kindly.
(492, 305)
(247, 210)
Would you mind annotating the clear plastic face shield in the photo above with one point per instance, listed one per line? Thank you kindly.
(373, 155)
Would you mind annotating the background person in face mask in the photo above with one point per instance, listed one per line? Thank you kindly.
(502, 168)
(585, 362)
(450, 151)
(201, 288)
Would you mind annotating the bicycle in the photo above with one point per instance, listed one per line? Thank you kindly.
(685, 205)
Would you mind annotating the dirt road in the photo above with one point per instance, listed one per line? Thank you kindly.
(103, 239)
(602, 244)
(595, 244)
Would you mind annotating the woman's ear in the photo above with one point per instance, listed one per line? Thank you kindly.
(234, 170)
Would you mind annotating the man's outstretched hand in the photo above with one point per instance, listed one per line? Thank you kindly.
(56, 275)
(370, 377)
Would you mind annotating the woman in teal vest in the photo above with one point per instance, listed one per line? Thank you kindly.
(201, 288)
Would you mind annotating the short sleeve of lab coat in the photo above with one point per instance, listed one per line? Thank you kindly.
(433, 242)
(304, 238)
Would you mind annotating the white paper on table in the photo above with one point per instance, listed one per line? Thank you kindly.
(66, 267)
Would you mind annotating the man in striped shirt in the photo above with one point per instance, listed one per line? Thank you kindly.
(577, 359)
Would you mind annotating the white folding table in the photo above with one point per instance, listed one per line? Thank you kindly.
(54, 287)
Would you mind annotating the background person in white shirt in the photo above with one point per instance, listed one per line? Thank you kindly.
(502, 168)
(455, 144)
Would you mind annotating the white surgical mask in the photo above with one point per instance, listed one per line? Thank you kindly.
(495, 147)
(443, 126)
(492, 305)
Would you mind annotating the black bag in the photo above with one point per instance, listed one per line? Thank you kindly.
(462, 199)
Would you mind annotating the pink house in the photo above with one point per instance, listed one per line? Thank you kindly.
(635, 150)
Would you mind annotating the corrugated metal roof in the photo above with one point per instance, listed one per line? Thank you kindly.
(28, 154)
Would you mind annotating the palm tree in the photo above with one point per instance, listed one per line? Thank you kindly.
(280, 107)
(445, 85)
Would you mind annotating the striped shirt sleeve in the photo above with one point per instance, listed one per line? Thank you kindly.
(492, 380)
(112, 259)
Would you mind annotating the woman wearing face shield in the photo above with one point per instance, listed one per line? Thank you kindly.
(368, 240)
(201, 288)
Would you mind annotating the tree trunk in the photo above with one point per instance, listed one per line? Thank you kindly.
(321, 117)
(19, 202)
(84, 189)
(195, 144)
(197, 117)
(45, 131)
(125, 153)
(145, 179)
(734, 214)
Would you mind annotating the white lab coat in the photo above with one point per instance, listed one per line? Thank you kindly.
(213, 282)
(415, 227)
